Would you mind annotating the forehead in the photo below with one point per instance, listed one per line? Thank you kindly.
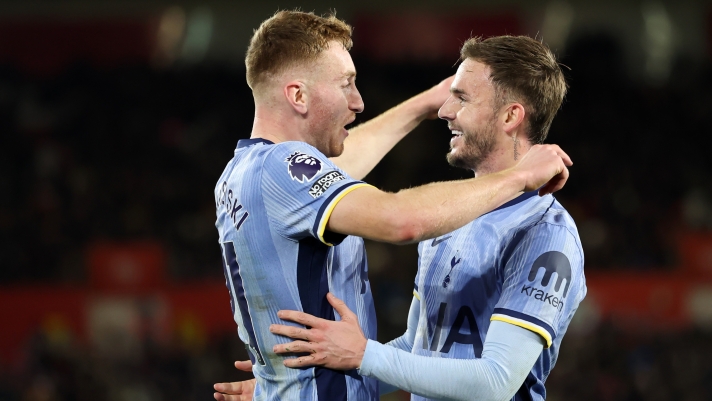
(472, 76)
(336, 60)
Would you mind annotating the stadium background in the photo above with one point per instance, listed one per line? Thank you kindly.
(116, 118)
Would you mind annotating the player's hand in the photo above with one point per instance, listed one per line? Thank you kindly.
(236, 391)
(436, 96)
(544, 167)
(332, 344)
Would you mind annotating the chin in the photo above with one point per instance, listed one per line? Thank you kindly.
(338, 150)
(460, 162)
(452, 159)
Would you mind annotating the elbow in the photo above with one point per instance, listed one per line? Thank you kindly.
(402, 228)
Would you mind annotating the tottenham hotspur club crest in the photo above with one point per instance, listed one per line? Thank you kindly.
(303, 167)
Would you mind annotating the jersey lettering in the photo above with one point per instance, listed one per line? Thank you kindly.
(456, 335)
(232, 209)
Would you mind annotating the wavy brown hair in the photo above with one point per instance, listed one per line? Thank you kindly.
(522, 69)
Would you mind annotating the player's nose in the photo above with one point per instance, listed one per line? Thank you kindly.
(446, 111)
(356, 105)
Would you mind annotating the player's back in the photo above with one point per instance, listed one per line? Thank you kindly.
(272, 203)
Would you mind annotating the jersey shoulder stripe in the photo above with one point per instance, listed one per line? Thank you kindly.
(328, 207)
(525, 321)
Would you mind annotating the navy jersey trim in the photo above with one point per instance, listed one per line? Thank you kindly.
(243, 143)
(313, 284)
(527, 318)
(237, 292)
(519, 199)
(333, 238)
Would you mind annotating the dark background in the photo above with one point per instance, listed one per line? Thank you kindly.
(116, 119)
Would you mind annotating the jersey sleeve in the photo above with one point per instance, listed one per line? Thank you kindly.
(300, 188)
(543, 280)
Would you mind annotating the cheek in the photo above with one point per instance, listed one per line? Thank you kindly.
(473, 117)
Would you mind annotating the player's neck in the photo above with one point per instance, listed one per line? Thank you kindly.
(502, 158)
(498, 160)
(275, 126)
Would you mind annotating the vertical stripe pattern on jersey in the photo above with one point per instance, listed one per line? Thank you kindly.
(238, 295)
(313, 284)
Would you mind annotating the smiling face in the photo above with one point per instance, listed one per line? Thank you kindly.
(471, 116)
(334, 100)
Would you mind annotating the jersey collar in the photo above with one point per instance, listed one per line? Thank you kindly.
(518, 199)
(243, 143)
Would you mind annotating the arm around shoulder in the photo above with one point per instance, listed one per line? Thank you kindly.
(431, 210)
(423, 212)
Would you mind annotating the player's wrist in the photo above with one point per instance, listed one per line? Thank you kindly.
(364, 366)
(360, 351)
(515, 178)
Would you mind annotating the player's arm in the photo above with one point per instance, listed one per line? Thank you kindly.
(435, 209)
(508, 354)
(404, 342)
(369, 142)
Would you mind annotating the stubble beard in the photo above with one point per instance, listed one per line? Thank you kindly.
(323, 135)
(326, 143)
(476, 147)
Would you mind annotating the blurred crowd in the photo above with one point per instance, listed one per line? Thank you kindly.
(58, 368)
(605, 364)
(134, 153)
(610, 364)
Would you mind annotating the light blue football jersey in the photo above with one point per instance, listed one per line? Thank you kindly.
(273, 202)
(521, 263)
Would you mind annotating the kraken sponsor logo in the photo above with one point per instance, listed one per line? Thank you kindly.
(544, 297)
(552, 262)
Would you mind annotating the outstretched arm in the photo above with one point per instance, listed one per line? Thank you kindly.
(435, 209)
(369, 142)
(508, 355)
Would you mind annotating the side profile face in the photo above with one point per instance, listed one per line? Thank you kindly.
(333, 100)
(471, 116)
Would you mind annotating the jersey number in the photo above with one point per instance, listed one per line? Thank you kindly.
(464, 316)
(233, 280)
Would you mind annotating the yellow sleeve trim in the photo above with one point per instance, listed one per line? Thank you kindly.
(415, 294)
(330, 208)
(531, 327)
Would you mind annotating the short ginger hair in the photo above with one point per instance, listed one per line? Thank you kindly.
(291, 38)
(525, 70)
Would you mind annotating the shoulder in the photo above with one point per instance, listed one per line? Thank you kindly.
(549, 228)
(300, 159)
(556, 217)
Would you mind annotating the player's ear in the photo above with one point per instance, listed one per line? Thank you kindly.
(513, 117)
(296, 94)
